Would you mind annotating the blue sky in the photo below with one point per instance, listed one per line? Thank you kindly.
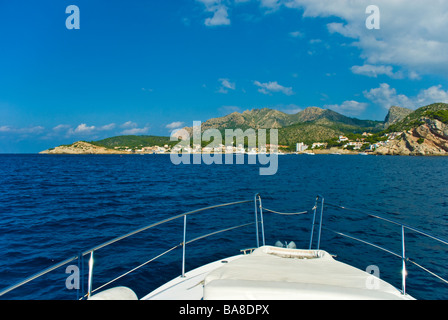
(147, 67)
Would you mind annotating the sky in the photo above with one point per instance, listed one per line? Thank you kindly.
(147, 67)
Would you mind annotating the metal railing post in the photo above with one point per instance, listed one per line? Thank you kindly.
(183, 246)
(312, 224)
(403, 260)
(320, 223)
(256, 220)
(89, 285)
(261, 220)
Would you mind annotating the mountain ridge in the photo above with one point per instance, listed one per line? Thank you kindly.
(309, 125)
(266, 118)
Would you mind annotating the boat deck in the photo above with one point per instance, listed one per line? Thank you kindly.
(189, 287)
(271, 273)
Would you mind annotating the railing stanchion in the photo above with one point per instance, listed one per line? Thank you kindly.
(183, 246)
(312, 225)
(261, 221)
(404, 260)
(320, 223)
(89, 285)
(256, 220)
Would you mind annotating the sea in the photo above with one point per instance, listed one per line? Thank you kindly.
(53, 207)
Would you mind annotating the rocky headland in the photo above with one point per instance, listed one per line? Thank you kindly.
(430, 138)
(81, 147)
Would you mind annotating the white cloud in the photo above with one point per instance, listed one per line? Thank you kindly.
(375, 71)
(34, 130)
(272, 5)
(68, 131)
(61, 127)
(5, 129)
(135, 131)
(220, 17)
(273, 86)
(226, 85)
(174, 125)
(22, 131)
(386, 97)
(349, 108)
(219, 10)
(432, 95)
(412, 33)
(131, 128)
(297, 34)
(84, 129)
(128, 124)
(107, 127)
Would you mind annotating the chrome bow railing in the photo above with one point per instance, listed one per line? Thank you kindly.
(91, 252)
(318, 213)
(317, 221)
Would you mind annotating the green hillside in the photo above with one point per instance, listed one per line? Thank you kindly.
(322, 130)
(310, 125)
(133, 141)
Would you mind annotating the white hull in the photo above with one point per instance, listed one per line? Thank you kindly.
(272, 273)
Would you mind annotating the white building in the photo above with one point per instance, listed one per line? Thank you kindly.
(300, 147)
(161, 150)
(318, 145)
(355, 145)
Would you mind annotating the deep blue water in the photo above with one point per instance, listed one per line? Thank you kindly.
(53, 207)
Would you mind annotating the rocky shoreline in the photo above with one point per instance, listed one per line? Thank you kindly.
(398, 148)
(428, 139)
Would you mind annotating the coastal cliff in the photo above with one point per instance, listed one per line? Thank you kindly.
(430, 138)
